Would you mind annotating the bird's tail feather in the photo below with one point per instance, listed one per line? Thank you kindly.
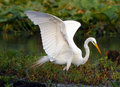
(41, 61)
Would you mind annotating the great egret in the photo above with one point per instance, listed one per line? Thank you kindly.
(57, 40)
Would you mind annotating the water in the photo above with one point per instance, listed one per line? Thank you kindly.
(32, 45)
(26, 43)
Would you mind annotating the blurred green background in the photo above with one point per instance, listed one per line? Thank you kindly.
(21, 46)
(98, 17)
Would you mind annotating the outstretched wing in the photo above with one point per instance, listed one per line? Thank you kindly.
(51, 31)
(71, 28)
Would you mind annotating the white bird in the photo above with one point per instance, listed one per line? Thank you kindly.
(57, 39)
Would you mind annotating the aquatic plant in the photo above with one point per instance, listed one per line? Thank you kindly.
(98, 17)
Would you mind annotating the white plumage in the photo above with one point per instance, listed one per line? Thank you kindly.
(57, 39)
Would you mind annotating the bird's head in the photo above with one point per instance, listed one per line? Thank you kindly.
(93, 40)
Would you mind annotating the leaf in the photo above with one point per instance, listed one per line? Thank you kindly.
(88, 4)
(110, 12)
(87, 16)
(114, 84)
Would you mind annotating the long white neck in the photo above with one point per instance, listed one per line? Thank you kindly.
(87, 50)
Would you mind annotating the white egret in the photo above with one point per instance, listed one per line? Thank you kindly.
(57, 39)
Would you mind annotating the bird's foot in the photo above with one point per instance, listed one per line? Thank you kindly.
(64, 68)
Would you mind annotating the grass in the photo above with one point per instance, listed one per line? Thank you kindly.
(16, 65)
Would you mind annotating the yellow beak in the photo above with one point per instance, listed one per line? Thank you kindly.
(97, 48)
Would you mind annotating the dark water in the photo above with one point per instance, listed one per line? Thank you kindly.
(31, 44)
(28, 44)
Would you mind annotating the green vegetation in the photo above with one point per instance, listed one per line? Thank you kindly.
(98, 17)
(16, 65)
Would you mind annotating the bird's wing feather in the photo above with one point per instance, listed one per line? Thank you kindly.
(71, 28)
(51, 31)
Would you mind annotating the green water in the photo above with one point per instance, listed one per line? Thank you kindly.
(28, 44)
(32, 45)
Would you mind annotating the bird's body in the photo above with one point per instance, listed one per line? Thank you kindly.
(57, 40)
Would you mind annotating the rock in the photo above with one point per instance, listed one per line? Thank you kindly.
(28, 84)
(113, 55)
(2, 83)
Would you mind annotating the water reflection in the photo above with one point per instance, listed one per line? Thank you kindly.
(31, 44)
(28, 44)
